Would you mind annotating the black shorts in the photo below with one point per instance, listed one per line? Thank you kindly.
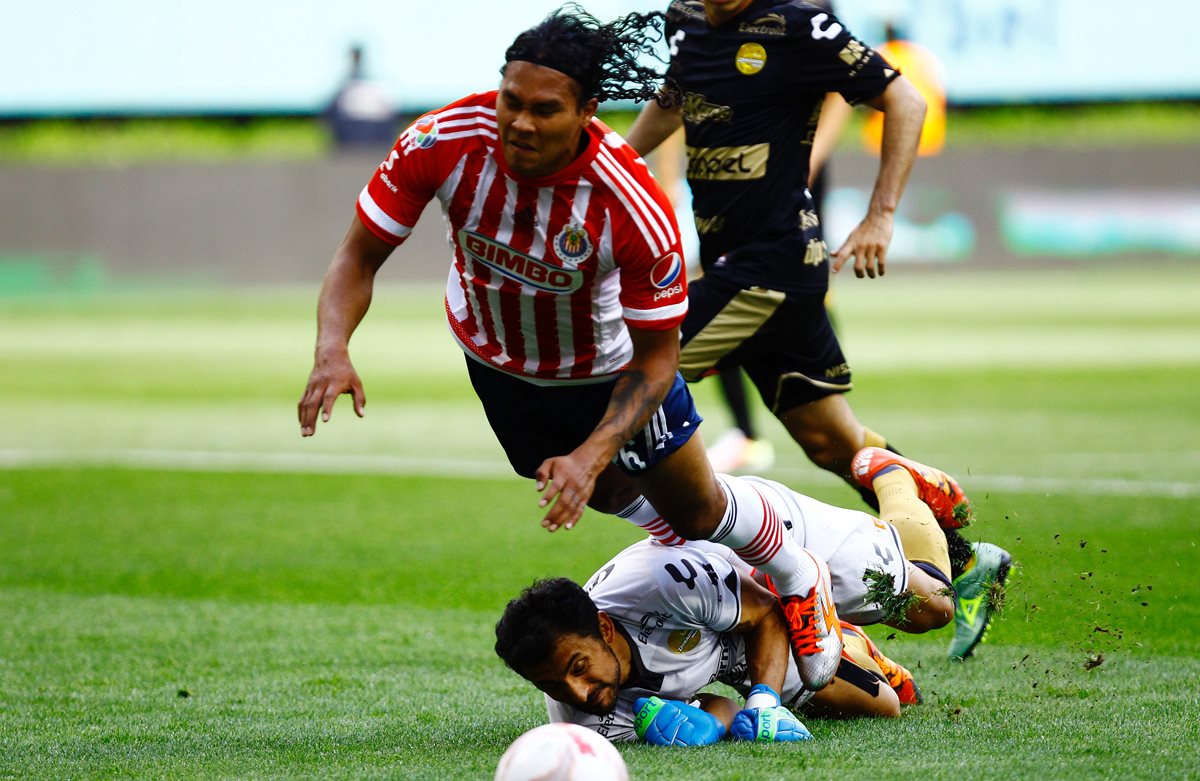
(784, 341)
(535, 422)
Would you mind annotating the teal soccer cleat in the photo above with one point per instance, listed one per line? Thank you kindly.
(979, 595)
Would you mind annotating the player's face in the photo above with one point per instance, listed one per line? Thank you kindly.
(718, 11)
(583, 672)
(540, 119)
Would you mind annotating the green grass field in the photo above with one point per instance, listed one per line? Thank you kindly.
(188, 589)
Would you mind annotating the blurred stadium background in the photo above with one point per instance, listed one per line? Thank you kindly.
(130, 132)
(187, 588)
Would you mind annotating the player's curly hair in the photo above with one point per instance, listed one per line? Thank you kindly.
(532, 623)
(602, 58)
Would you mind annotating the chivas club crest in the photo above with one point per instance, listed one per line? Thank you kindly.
(572, 244)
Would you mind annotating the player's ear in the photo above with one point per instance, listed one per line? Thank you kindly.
(607, 630)
(587, 111)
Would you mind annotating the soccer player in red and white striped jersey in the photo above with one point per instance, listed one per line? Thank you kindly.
(546, 267)
(566, 291)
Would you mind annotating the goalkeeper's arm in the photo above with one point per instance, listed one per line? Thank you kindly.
(765, 631)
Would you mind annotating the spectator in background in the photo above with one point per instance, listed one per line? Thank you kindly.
(361, 113)
(922, 68)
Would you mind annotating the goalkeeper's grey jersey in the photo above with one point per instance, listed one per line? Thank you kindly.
(676, 607)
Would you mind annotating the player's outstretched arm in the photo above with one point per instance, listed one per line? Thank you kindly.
(345, 297)
(904, 112)
(654, 125)
(568, 480)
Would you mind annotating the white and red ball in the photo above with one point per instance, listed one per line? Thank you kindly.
(561, 752)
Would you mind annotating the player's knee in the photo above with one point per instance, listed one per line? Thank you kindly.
(695, 519)
(698, 524)
(612, 499)
(827, 449)
(887, 704)
(933, 611)
(693, 511)
(613, 492)
(941, 611)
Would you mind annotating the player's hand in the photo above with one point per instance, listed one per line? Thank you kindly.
(868, 245)
(567, 481)
(765, 720)
(673, 723)
(768, 725)
(330, 378)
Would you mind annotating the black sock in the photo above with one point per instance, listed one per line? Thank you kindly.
(960, 552)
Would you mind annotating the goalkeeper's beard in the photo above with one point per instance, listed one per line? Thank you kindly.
(594, 704)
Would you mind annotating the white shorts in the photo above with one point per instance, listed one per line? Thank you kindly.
(851, 542)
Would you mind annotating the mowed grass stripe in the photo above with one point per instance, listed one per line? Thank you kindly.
(302, 463)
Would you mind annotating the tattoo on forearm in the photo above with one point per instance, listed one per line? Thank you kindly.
(634, 400)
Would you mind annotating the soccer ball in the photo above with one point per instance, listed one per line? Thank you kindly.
(561, 752)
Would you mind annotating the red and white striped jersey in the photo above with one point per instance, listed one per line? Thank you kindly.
(547, 273)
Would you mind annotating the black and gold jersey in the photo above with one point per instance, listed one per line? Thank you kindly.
(752, 93)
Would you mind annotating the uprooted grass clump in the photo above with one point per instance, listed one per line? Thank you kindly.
(881, 589)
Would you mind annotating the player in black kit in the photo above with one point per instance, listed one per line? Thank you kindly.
(752, 76)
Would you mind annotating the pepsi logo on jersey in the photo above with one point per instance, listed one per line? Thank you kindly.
(667, 276)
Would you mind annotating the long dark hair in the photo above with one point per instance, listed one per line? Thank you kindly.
(602, 58)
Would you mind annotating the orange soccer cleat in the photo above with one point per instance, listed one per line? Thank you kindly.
(897, 675)
(814, 631)
(937, 489)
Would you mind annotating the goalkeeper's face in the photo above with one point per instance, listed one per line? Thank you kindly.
(582, 672)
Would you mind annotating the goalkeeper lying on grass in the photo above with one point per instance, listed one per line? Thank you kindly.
(628, 656)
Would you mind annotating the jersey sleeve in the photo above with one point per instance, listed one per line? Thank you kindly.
(646, 243)
(700, 588)
(831, 58)
(408, 179)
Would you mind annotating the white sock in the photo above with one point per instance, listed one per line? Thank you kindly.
(643, 515)
(754, 530)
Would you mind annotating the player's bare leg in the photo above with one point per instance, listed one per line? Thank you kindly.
(685, 492)
(929, 604)
(830, 435)
(827, 430)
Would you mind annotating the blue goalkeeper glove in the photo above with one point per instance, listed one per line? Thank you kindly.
(765, 720)
(674, 723)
